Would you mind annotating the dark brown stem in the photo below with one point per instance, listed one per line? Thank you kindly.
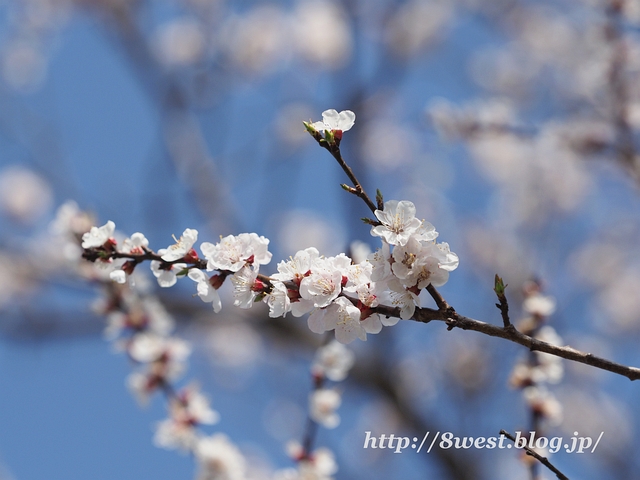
(455, 320)
(540, 458)
(503, 306)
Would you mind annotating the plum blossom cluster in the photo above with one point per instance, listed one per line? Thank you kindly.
(338, 294)
(140, 327)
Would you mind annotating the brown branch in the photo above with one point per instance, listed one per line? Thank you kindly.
(333, 148)
(455, 320)
(538, 457)
(503, 306)
(359, 191)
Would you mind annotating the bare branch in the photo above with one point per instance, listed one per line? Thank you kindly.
(538, 457)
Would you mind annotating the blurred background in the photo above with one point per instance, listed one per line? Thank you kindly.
(512, 125)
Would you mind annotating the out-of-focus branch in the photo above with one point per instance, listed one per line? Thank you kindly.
(625, 147)
(544, 460)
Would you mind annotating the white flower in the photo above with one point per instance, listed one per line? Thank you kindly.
(321, 288)
(189, 409)
(419, 265)
(234, 252)
(448, 260)
(333, 361)
(400, 297)
(182, 246)
(343, 317)
(219, 459)
(149, 347)
(323, 404)
(165, 273)
(381, 262)
(318, 465)
(135, 244)
(323, 285)
(297, 267)
(118, 276)
(544, 402)
(142, 385)
(398, 220)
(206, 291)
(165, 359)
(334, 121)
(278, 300)
(538, 304)
(245, 286)
(97, 237)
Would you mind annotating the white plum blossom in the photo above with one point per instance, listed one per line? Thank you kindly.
(403, 298)
(323, 285)
(118, 276)
(323, 404)
(166, 273)
(146, 314)
(219, 459)
(538, 304)
(165, 360)
(335, 122)
(278, 300)
(298, 267)
(317, 465)
(135, 244)
(543, 402)
(207, 292)
(333, 361)
(419, 264)
(399, 222)
(234, 252)
(182, 246)
(343, 317)
(246, 286)
(189, 409)
(98, 236)
(381, 264)
(147, 347)
(448, 260)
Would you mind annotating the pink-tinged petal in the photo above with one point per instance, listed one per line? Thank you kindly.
(331, 119)
(346, 120)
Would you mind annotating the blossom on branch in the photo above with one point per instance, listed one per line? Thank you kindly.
(333, 361)
(207, 288)
(187, 410)
(399, 222)
(234, 252)
(323, 404)
(218, 458)
(166, 273)
(335, 122)
(182, 246)
(98, 236)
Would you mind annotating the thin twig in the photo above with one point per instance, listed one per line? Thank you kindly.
(538, 457)
(503, 306)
